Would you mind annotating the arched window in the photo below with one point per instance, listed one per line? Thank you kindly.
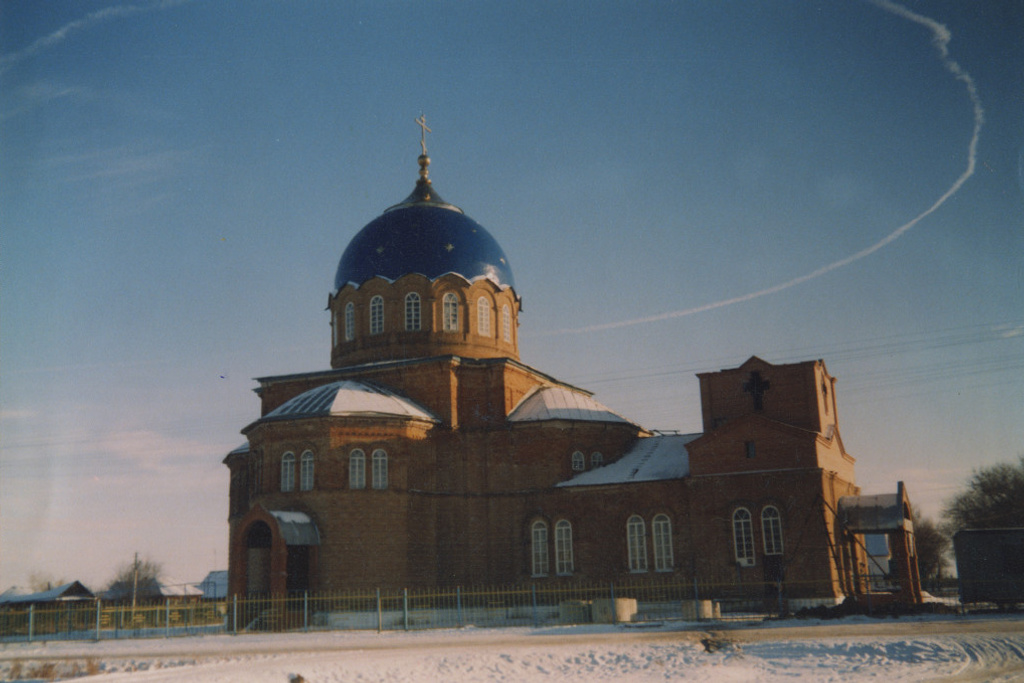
(506, 324)
(288, 472)
(563, 548)
(636, 538)
(376, 315)
(771, 530)
(661, 530)
(380, 469)
(539, 549)
(450, 313)
(334, 328)
(306, 471)
(743, 537)
(412, 312)
(357, 469)
(579, 463)
(350, 321)
(483, 317)
(596, 459)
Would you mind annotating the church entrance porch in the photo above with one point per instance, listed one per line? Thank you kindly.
(276, 553)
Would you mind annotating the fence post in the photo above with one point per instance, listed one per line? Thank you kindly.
(533, 595)
(405, 607)
(234, 614)
(97, 618)
(167, 618)
(31, 621)
(458, 603)
(305, 610)
(615, 615)
(380, 614)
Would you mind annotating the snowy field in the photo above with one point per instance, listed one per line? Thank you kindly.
(856, 649)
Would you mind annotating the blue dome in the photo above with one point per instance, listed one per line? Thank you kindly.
(424, 236)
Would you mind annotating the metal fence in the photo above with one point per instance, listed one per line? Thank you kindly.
(538, 604)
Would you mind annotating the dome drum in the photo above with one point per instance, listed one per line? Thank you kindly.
(416, 318)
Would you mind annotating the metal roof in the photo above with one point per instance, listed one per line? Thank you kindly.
(882, 512)
(65, 592)
(296, 527)
(423, 238)
(653, 458)
(350, 398)
(562, 403)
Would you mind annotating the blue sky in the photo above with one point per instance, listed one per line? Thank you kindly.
(179, 179)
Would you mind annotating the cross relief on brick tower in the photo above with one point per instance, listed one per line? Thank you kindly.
(756, 386)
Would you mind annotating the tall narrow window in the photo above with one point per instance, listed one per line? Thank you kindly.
(450, 313)
(539, 549)
(743, 537)
(579, 463)
(288, 472)
(506, 324)
(350, 321)
(412, 312)
(380, 469)
(306, 471)
(357, 469)
(376, 315)
(334, 328)
(636, 538)
(483, 317)
(563, 548)
(771, 529)
(661, 530)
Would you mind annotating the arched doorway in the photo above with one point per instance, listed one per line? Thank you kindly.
(257, 559)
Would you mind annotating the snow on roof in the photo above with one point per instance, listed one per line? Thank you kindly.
(653, 458)
(67, 591)
(296, 527)
(350, 397)
(172, 588)
(561, 403)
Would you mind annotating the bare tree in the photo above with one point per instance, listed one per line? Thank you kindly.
(932, 545)
(135, 580)
(44, 581)
(993, 498)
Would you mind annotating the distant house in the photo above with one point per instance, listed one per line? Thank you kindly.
(153, 589)
(69, 592)
(215, 585)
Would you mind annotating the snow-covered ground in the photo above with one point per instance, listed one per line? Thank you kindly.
(908, 649)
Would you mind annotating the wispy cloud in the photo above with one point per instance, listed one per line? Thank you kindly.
(121, 163)
(27, 99)
(940, 39)
(11, 59)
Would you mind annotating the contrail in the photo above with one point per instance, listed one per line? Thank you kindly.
(88, 21)
(940, 38)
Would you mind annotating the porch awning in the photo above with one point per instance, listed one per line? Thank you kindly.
(873, 514)
(296, 527)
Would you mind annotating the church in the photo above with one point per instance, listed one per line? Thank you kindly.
(430, 454)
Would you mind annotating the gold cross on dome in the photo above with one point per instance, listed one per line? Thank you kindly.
(422, 121)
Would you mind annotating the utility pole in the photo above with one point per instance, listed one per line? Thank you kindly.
(135, 582)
